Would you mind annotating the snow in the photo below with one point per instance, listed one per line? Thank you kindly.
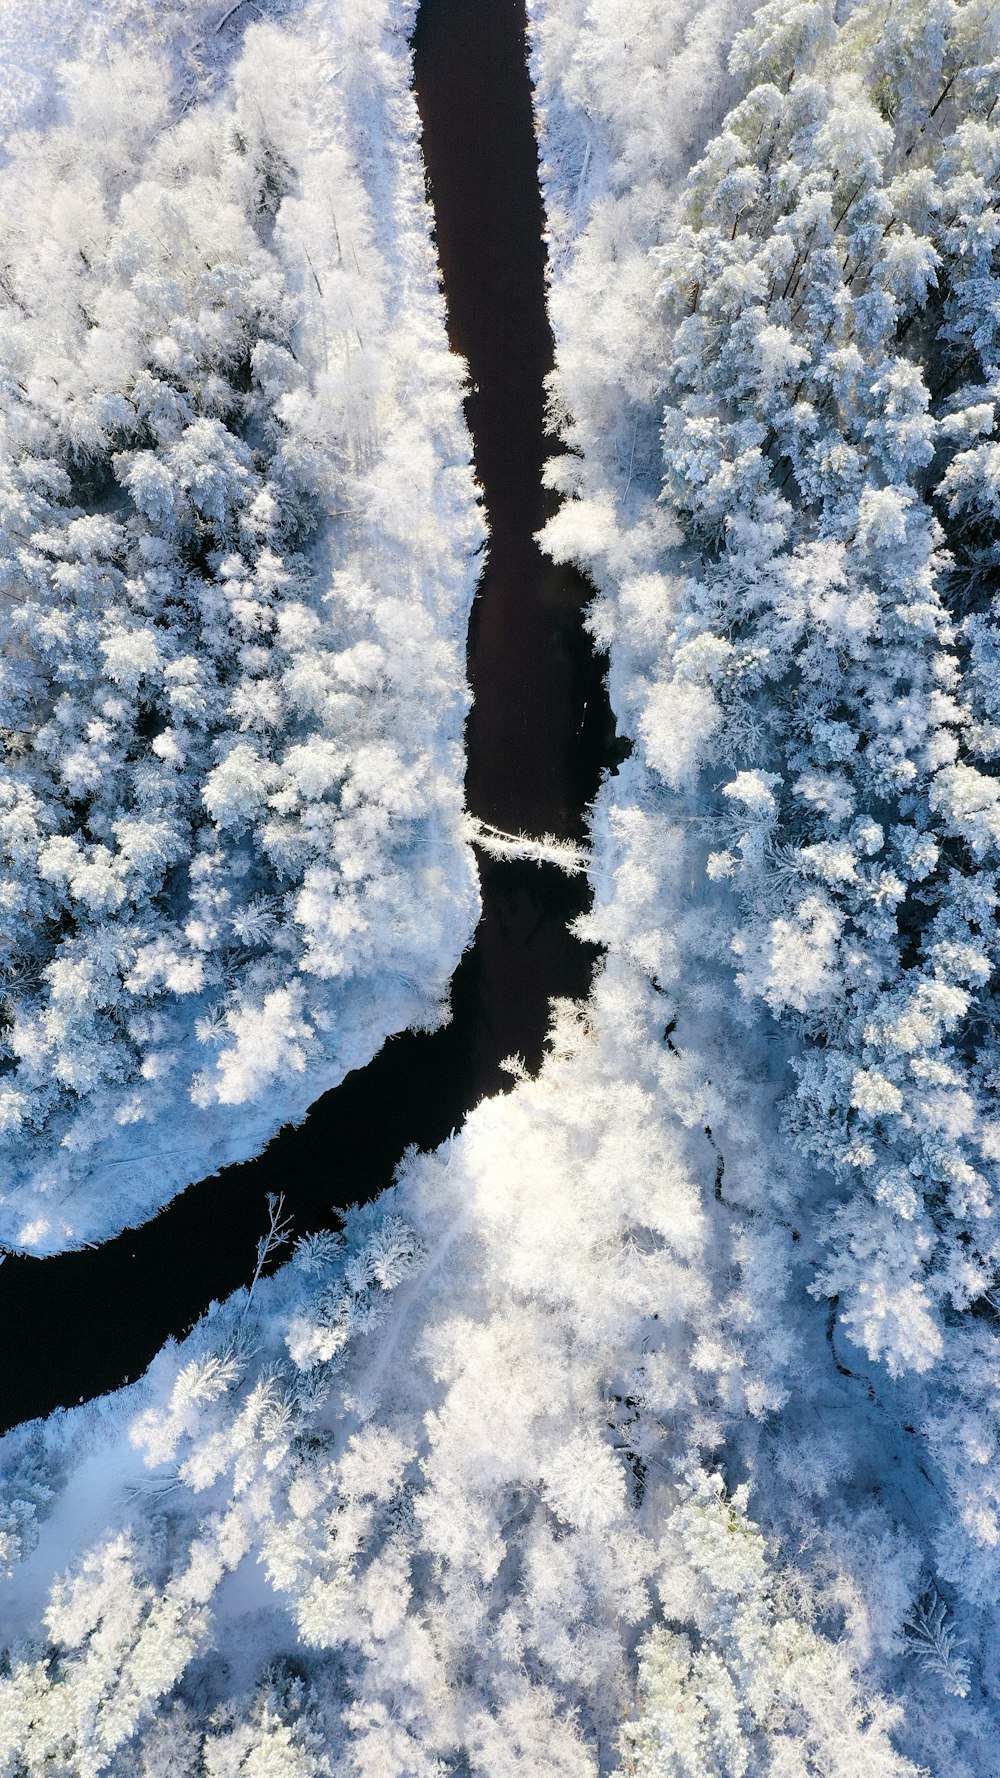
(36, 35)
(704, 885)
(396, 1456)
(630, 1431)
(329, 902)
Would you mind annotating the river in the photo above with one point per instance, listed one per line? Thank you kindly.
(540, 731)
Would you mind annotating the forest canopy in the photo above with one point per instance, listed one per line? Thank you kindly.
(649, 1426)
(238, 534)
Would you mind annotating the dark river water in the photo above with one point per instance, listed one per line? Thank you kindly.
(540, 731)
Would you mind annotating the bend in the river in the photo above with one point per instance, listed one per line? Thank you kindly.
(76, 1325)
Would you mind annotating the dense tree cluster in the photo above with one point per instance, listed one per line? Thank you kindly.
(828, 443)
(236, 538)
(777, 379)
(831, 396)
(649, 1426)
(449, 1466)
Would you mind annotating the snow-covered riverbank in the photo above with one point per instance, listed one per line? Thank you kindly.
(241, 534)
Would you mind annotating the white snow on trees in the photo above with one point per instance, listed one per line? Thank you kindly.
(776, 381)
(238, 538)
(414, 1503)
(649, 1426)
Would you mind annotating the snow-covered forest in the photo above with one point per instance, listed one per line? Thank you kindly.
(650, 1426)
(238, 543)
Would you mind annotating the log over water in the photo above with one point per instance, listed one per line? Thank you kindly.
(74, 1326)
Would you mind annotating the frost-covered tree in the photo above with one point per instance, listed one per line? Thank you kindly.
(810, 449)
(746, 1686)
(774, 378)
(568, 1456)
(447, 1476)
(235, 560)
(803, 635)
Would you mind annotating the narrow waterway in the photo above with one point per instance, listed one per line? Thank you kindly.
(540, 731)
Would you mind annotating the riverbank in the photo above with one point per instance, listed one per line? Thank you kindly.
(539, 736)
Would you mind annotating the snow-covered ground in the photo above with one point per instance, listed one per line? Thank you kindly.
(241, 537)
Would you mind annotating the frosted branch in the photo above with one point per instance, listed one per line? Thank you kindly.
(497, 843)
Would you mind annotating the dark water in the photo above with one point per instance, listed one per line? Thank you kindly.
(540, 731)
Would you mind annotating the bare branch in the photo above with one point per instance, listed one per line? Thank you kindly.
(278, 1232)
